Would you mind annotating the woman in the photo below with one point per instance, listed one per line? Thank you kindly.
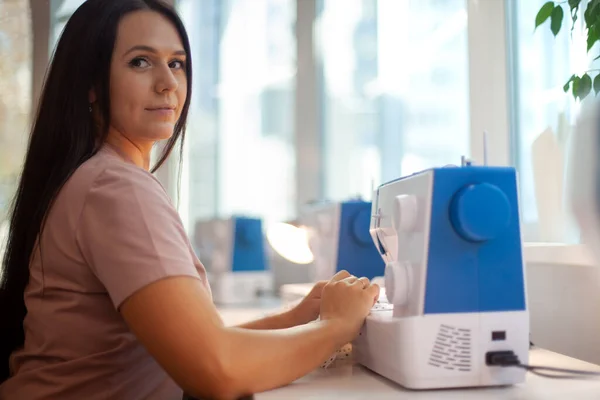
(102, 296)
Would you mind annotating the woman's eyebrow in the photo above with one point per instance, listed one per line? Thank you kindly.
(151, 50)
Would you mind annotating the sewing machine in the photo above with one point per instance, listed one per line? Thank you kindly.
(338, 236)
(233, 253)
(450, 238)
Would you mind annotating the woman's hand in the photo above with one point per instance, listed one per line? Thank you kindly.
(348, 300)
(309, 308)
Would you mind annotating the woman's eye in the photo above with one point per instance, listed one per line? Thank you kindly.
(177, 64)
(139, 63)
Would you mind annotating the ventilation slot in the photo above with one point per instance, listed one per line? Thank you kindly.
(452, 349)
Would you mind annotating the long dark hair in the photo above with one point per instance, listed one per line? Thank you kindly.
(64, 136)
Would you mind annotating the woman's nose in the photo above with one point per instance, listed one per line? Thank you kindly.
(166, 80)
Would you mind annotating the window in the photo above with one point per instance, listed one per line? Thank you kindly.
(239, 153)
(15, 99)
(541, 64)
(401, 85)
(395, 90)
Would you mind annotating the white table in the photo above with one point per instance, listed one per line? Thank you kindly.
(354, 382)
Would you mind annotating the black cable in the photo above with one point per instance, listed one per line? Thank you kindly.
(554, 372)
(510, 359)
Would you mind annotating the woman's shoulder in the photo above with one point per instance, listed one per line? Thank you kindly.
(111, 176)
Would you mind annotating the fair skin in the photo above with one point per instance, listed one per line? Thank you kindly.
(147, 85)
(175, 318)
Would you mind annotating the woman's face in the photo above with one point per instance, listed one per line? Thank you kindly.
(147, 78)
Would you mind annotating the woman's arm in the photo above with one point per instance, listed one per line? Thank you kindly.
(286, 319)
(304, 312)
(176, 321)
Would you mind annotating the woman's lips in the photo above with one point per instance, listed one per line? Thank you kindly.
(161, 111)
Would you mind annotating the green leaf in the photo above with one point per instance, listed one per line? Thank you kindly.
(592, 37)
(574, 5)
(597, 84)
(566, 87)
(587, 13)
(575, 87)
(544, 13)
(596, 58)
(585, 86)
(592, 13)
(556, 19)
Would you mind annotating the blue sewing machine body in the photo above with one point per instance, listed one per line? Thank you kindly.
(339, 239)
(234, 254)
(454, 279)
(474, 256)
(248, 246)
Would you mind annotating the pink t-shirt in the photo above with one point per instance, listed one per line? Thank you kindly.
(111, 231)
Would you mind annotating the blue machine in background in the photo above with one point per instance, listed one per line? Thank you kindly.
(248, 245)
(234, 255)
(339, 238)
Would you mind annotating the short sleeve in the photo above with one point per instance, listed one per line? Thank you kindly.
(130, 234)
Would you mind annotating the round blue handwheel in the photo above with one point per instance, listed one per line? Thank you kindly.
(361, 223)
(480, 212)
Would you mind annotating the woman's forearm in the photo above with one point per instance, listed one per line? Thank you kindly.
(282, 320)
(259, 360)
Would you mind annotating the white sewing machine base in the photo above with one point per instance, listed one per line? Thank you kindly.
(442, 351)
(230, 288)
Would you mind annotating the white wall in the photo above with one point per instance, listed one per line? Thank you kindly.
(563, 285)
